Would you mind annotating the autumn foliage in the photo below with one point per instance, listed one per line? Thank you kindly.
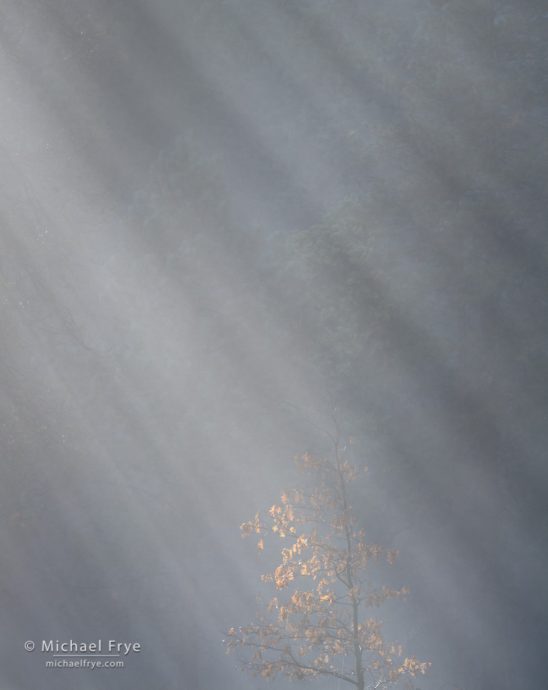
(320, 623)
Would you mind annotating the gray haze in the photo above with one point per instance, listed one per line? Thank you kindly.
(221, 221)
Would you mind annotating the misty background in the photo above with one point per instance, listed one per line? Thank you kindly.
(222, 222)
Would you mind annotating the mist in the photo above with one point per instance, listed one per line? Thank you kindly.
(228, 226)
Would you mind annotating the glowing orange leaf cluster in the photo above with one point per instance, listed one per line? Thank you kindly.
(319, 628)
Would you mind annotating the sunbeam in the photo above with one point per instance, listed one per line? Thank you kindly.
(236, 232)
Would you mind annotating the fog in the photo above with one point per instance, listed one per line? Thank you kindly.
(226, 227)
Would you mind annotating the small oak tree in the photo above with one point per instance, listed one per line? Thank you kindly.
(320, 625)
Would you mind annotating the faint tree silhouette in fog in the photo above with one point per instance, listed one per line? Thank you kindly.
(319, 624)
